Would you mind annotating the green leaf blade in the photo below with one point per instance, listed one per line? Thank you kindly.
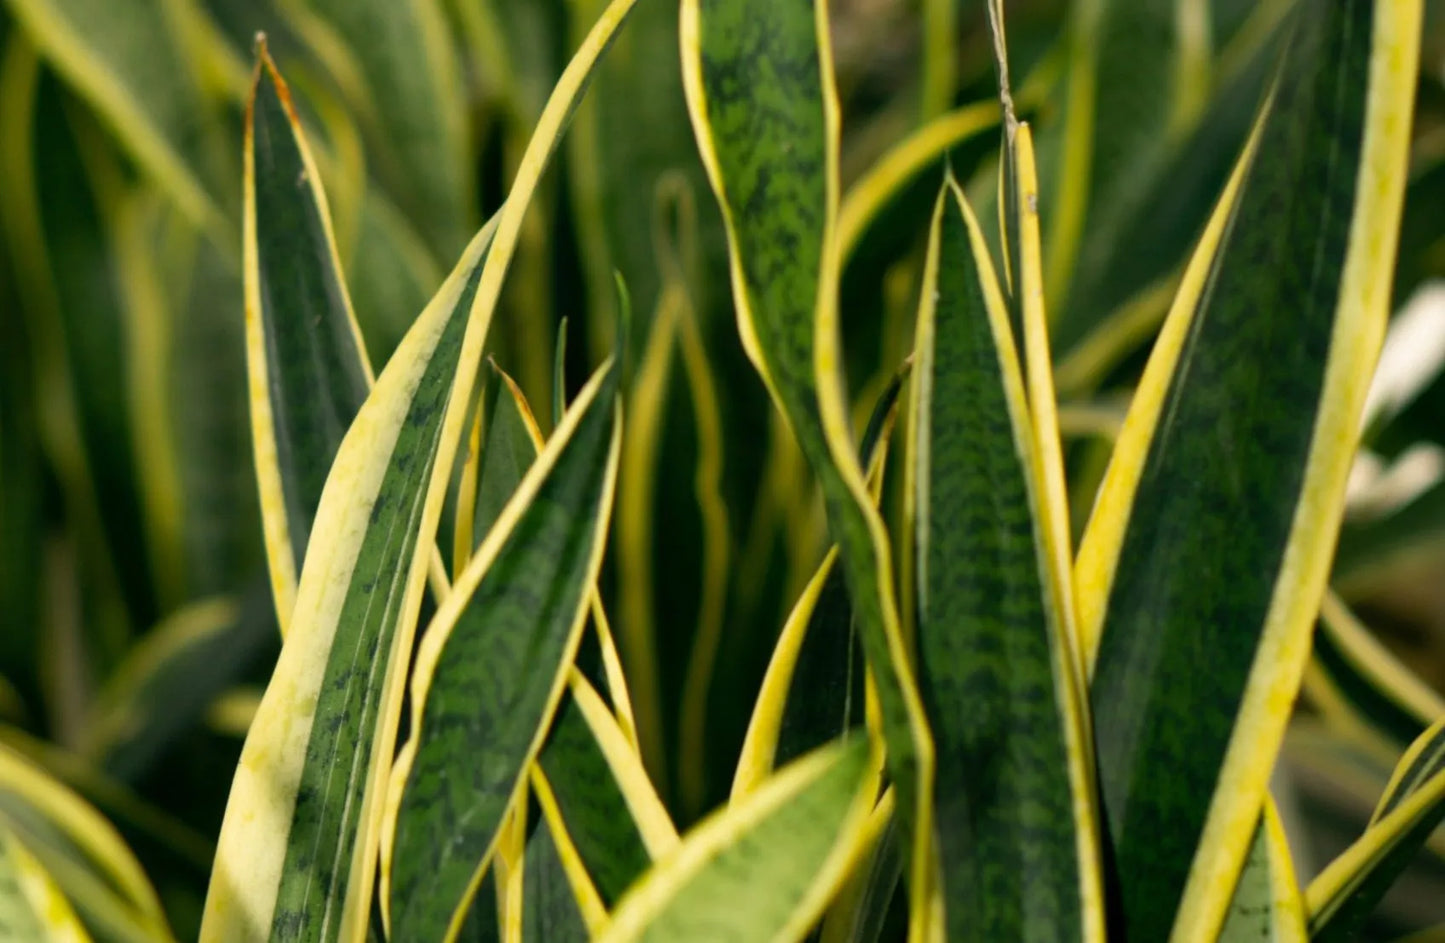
(1243, 434)
(304, 347)
(775, 851)
(491, 668)
(987, 628)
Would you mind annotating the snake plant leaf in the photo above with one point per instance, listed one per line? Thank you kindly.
(491, 668)
(1267, 904)
(56, 226)
(130, 60)
(1137, 239)
(860, 911)
(321, 705)
(591, 806)
(59, 827)
(1381, 689)
(411, 103)
(168, 680)
(1138, 69)
(784, 850)
(32, 908)
(308, 369)
(549, 911)
(758, 78)
(1413, 806)
(395, 463)
(1206, 556)
(813, 690)
(995, 663)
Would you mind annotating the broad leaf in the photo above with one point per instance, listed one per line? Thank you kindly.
(783, 850)
(1207, 552)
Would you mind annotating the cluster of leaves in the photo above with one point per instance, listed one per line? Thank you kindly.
(716, 648)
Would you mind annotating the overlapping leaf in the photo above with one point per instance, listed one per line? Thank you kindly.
(491, 668)
(1209, 546)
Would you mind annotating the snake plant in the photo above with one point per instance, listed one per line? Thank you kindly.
(683, 471)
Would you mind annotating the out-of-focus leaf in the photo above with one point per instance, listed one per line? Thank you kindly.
(1267, 904)
(54, 228)
(1342, 896)
(516, 614)
(783, 850)
(32, 908)
(1159, 200)
(131, 60)
(80, 849)
(774, 170)
(308, 369)
(1379, 687)
(996, 665)
(1212, 534)
(413, 108)
(171, 677)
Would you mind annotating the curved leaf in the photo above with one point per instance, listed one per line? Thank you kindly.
(32, 909)
(1413, 806)
(758, 77)
(1209, 546)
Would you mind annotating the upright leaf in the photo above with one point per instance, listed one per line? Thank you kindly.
(1209, 546)
(294, 828)
(1016, 839)
(490, 672)
(309, 373)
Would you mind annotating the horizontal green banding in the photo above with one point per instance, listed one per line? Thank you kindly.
(494, 678)
(338, 752)
(1217, 497)
(314, 372)
(1004, 813)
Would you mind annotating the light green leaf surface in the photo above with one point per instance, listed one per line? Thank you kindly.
(783, 850)
(1267, 904)
(32, 908)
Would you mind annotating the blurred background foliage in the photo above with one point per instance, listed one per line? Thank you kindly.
(136, 626)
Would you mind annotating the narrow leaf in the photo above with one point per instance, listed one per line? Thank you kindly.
(490, 672)
(32, 908)
(309, 372)
(775, 173)
(1342, 896)
(1017, 841)
(1267, 904)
